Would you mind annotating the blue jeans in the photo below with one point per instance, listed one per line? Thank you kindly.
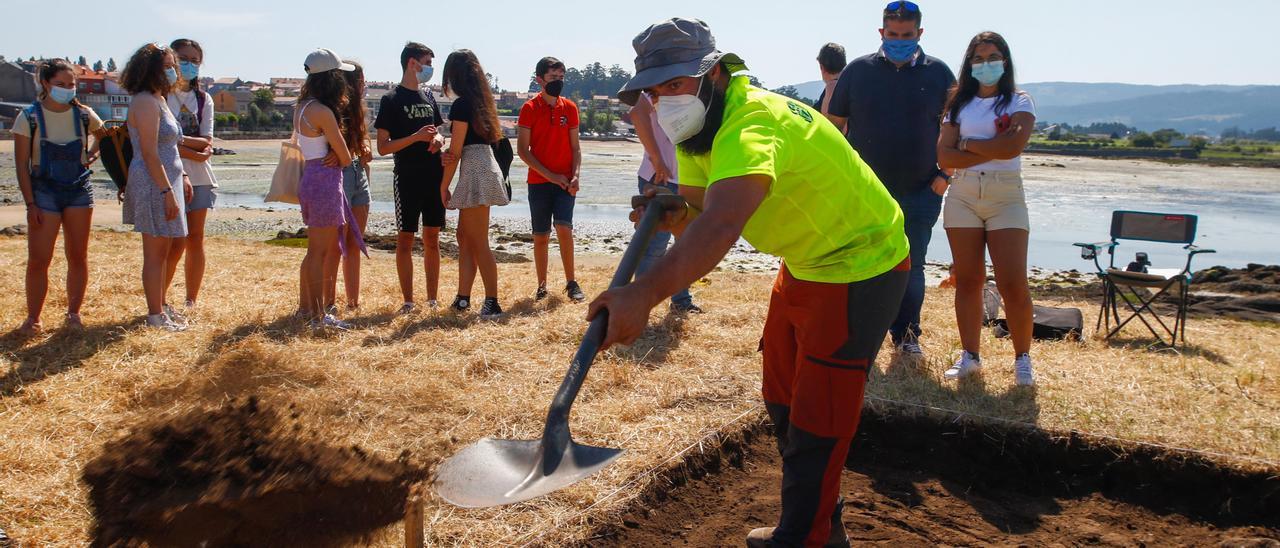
(921, 209)
(657, 248)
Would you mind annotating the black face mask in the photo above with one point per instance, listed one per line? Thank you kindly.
(554, 87)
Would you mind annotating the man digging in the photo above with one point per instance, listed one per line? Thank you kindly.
(758, 165)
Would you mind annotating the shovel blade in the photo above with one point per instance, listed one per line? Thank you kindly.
(493, 472)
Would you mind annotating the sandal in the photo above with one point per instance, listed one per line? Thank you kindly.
(74, 321)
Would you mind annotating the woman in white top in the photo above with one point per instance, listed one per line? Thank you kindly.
(325, 210)
(987, 123)
(193, 107)
(52, 153)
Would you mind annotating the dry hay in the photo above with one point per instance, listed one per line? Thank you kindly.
(434, 382)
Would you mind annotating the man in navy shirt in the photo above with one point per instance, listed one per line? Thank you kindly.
(892, 102)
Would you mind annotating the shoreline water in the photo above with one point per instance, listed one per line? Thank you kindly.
(1070, 200)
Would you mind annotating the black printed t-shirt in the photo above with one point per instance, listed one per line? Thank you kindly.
(403, 112)
(462, 111)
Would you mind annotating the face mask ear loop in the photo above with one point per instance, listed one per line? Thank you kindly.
(712, 97)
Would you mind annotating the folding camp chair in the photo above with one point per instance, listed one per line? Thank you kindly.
(1121, 285)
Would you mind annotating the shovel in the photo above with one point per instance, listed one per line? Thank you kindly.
(493, 472)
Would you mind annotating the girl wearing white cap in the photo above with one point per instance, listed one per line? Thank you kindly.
(325, 210)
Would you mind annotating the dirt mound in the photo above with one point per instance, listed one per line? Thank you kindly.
(240, 475)
(924, 480)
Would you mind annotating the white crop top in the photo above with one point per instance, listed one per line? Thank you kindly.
(313, 148)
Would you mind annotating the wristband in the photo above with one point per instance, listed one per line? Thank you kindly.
(944, 176)
(165, 191)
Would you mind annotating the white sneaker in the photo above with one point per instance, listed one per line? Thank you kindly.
(408, 308)
(911, 350)
(175, 316)
(330, 321)
(433, 304)
(1022, 374)
(161, 321)
(965, 366)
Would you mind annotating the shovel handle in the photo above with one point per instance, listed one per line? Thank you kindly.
(558, 415)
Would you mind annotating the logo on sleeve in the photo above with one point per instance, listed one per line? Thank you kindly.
(800, 111)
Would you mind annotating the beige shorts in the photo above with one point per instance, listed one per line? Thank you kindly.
(991, 200)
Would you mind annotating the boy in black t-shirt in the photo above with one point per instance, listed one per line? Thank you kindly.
(408, 126)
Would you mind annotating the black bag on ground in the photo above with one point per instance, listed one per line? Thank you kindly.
(1048, 322)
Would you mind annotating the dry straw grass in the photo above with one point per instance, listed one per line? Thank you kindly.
(432, 383)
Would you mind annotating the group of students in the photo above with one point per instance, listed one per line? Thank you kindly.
(431, 175)
(170, 128)
(172, 188)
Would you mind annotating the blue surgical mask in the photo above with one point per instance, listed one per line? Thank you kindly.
(424, 75)
(62, 95)
(190, 71)
(900, 51)
(171, 75)
(988, 73)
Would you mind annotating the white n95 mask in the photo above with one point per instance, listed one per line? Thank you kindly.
(682, 116)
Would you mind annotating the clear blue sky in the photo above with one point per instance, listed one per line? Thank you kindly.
(1140, 41)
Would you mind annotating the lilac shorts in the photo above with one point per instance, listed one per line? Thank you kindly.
(323, 202)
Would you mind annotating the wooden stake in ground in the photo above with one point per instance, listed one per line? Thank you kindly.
(413, 523)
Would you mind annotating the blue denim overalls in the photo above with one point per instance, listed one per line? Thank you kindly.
(61, 180)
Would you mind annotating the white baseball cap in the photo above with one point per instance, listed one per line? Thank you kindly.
(325, 60)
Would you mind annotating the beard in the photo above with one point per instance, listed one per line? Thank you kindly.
(701, 141)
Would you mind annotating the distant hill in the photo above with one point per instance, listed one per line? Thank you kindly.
(1186, 108)
(1189, 109)
(810, 90)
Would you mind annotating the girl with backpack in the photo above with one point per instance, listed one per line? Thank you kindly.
(53, 154)
(325, 211)
(355, 185)
(158, 187)
(475, 131)
(193, 108)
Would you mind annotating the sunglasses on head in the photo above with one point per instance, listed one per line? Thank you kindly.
(902, 5)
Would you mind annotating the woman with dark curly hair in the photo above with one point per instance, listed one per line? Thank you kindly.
(325, 210)
(355, 185)
(156, 175)
(474, 130)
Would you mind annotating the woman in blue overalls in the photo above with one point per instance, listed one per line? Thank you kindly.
(53, 150)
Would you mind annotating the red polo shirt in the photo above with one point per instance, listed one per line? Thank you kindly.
(549, 128)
